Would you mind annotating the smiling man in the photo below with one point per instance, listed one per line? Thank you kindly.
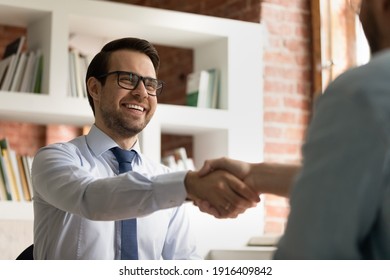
(99, 197)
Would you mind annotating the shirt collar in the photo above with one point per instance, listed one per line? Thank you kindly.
(99, 142)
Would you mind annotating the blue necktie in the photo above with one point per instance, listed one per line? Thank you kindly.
(129, 246)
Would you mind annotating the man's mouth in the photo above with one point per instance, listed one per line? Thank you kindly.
(135, 107)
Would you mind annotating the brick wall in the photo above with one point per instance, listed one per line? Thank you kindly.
(287, 92)
(8, 34)
(24, 138)
(246, 10)
(174, 75)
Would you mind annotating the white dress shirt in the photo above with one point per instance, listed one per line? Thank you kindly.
(79, 199)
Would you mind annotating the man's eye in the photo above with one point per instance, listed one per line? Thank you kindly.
(127, 79)
(151, 83)
(132, 77)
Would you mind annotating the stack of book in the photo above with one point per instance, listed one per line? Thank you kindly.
(15, 176)
(21, 71)
(203, 89)
(78, 65)
(178, 160)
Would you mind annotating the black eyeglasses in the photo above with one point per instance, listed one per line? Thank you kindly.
(130, 81)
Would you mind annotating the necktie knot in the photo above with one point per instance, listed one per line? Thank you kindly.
(124, 158)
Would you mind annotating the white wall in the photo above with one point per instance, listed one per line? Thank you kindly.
(225, 234)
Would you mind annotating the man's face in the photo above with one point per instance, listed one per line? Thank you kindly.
(122, 112)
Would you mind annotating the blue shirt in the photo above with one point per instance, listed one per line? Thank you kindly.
(340, 203)
(79, 199)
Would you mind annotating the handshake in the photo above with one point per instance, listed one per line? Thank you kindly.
(225, 187)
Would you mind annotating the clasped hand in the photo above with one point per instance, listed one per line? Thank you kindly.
(219, 192)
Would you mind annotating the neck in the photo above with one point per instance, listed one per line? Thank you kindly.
(125, 142)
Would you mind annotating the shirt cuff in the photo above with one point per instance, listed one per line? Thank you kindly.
(170, 189)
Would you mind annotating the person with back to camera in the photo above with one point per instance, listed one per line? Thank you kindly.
(340, 198)
(98, 197)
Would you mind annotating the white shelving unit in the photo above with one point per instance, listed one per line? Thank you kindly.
(16, 211)
(235, 47)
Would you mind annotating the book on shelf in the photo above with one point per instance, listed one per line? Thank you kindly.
(4, 65)
(78, 65)
(23, 178)
(202, 88)
(72, 88)
(22, 72)
(4, 189)
(27, 163)
(9, 71)
(15, 179)
(26, 83)
(213, 89)
(11, 57)
(196, 88)
(10, 171)
(15, 47)
(177, 160)
(76, 72)
(84, 63)
(19, 71)
(37, 74)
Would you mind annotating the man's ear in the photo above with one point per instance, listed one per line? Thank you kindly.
(94, 87)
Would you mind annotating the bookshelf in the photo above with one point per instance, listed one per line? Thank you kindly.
(234, 47)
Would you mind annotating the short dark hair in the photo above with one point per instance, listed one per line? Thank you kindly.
(99, 64)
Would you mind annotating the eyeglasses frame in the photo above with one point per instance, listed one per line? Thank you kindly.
(160, 83)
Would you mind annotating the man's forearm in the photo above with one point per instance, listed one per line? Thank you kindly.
(272, 178)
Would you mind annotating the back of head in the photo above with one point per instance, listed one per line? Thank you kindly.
(375, 18)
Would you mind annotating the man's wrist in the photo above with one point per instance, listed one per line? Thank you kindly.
(188, 184)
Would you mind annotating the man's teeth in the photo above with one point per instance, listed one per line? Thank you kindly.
(136, 107)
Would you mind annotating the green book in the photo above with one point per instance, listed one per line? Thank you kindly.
(197, 89)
